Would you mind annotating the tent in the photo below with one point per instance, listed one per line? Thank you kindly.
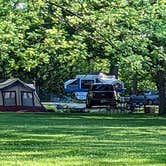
(16, 95)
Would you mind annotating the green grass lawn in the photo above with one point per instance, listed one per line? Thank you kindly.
(48, 139)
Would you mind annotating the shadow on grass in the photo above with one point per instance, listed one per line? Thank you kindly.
(108, 137)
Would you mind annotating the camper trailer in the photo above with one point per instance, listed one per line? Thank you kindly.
(82, 83)
(16, 95)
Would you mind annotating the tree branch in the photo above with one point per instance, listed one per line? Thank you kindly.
(80, 17)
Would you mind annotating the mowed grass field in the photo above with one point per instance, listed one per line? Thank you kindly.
(50, 139)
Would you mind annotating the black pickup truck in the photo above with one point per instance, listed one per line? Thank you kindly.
(101, 94)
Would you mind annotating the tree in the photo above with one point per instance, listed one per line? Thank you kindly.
(52, 41)
(133, 32)
(21, 40)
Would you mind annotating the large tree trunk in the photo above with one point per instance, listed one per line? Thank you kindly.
(162, 91)
(114, 70)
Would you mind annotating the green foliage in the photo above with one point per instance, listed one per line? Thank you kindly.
(21, 40)
(52, 41)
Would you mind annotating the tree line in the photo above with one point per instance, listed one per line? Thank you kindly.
(51, 41)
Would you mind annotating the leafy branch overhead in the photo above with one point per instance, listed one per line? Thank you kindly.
(55, 40)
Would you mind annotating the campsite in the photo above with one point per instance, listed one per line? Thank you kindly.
(82, 83)
(50, 133)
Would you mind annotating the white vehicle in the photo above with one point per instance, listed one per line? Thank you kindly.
(82, 83)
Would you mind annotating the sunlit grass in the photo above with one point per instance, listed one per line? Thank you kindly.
(41, 139)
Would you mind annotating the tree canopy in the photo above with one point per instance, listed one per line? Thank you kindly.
(53, 40)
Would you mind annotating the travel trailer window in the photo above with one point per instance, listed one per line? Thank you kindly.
(9, 98)
(74, 84)
(86, 84)
(27, 98)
